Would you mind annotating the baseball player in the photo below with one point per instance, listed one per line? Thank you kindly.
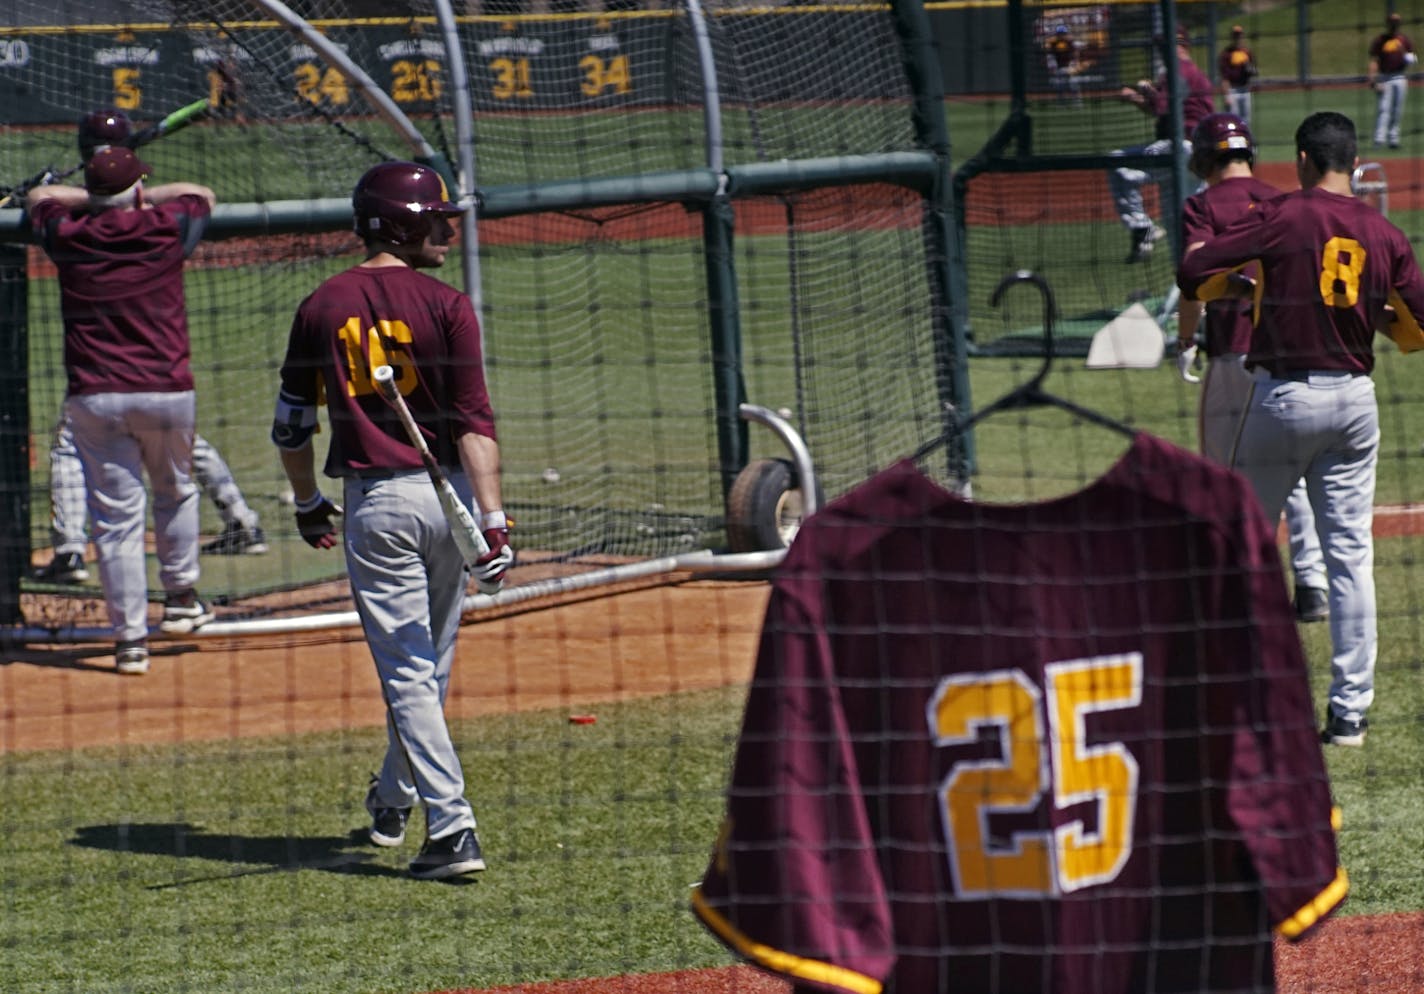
(1126, 182)
(407, 576)
(1061, 56)
(1061, 747)
(242, 530)
(1330, 265)
(1236, 66)
(1391, 55)
(1223, 153)
(119, 248)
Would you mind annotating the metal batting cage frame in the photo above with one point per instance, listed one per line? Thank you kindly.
(751, 180)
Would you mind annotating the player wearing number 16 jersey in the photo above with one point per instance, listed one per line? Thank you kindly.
(407, 575)
(1330, 266)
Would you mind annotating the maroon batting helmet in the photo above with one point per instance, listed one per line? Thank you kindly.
(102, 128)
(1219, 138)
(394, 201)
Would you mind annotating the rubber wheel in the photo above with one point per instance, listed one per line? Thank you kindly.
(764, 508)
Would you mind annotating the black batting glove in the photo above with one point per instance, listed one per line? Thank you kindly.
(316, 520)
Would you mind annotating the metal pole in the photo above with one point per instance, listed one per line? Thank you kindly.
(464, 154)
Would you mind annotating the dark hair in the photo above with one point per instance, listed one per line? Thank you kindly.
(1328, 141)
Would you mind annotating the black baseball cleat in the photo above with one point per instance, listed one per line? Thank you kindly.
(448, 857)
(65, 567)
(387, 824)
(131, 657)
(237, 540)
(183, 612)
(1143, 241)
(1343, 731)
(1311, 604)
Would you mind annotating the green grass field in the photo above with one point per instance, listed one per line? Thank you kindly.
(235, 865)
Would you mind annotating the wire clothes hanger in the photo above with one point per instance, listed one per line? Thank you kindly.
(1031, 393)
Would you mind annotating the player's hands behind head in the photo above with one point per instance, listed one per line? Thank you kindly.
(316, 520)
(490, 568)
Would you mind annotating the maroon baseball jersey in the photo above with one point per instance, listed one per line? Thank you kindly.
(1389, 49)
(121, 292)
(1196, 93)
(1236, 65)
(1063, 50)
(1066, 746)
(390, 315)
(1329, 264)
(1207, 212)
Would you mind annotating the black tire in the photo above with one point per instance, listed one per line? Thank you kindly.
(764, 507)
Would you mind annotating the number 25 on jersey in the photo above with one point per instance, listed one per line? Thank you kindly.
(1042, 758)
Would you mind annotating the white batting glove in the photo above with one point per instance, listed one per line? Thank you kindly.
(1186, 359)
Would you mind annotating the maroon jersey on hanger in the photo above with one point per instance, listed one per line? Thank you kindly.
(1063, 747)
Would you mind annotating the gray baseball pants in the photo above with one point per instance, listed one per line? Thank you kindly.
(67, 499)
(408, 580)
(119, 437)
(1389, 109)
(1226, 390)
(1324, 426)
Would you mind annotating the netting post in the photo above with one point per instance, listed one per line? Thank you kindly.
(1179, 187)
(467, 180)
(718, 235)
(729, 385)
(14, 431)
(944, 259)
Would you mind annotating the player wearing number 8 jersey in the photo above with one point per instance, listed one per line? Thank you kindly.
(1330, 266)
(406, 572)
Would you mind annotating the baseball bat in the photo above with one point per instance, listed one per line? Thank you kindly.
(468, 537)
(180, 118)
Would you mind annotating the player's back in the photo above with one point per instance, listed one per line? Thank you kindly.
(424, 329)
(1207, 213)
(121, 281)
(1329, 265)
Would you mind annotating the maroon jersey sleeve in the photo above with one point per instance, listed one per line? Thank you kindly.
(795, 885)
(425, 330)
(1067, 746)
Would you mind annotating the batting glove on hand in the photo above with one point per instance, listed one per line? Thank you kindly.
(316, 520)
(490, 568)
(1186, 359)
